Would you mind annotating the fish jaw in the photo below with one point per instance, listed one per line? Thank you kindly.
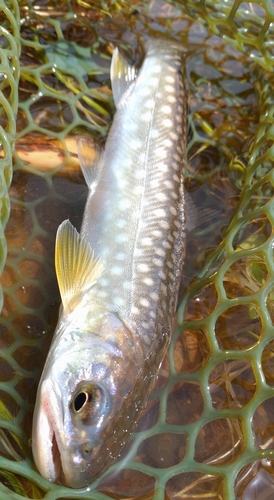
(44, 440)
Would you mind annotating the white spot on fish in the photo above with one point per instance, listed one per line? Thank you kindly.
(135, 144)
(135, 310)
(159, 212)
(176, 165)
(154, 296)
(156, 68)
(161, 197)
(161, 153)
(148, 281)
(157, 262)
(146, 242)
(161, 274)
(171, 99)
(139, 173)
(173, 211)
(154, 184)
(122, 182)
(168, 88)
(154, 133)
(176, 178)
(152, 314)
(145, 325)
(103, 281)
(144, 302)
(168, 184)
(121, 223)
(145, 91)
(166, 110)
(164, 224)
(167, 143)
(163, 167)
(156, 232)
(116, 270)
(160, 251)
(167, 122)
(121, 238)
(124, 204)
(146, 116)
(176, 157)
(143, 268)
(153, 81)
(142, 157)
(138, 190)
(170, 79)
(150, 103)
(119, 301)
(173, 136)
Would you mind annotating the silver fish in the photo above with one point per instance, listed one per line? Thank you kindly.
(119, 278)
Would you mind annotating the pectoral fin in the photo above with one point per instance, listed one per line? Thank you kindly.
(77, 269)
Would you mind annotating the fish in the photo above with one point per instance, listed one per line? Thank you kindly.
(119, 277)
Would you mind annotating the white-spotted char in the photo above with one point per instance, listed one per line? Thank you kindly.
(119, 278)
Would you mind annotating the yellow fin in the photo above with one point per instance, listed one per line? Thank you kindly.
(76, 267)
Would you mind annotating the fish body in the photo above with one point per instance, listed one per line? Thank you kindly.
(119, 278)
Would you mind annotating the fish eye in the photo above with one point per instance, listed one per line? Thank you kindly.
(81, 400)
(89, 401)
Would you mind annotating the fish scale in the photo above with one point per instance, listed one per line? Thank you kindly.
(118, 279)
(152, 191)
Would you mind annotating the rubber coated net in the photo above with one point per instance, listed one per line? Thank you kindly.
(207, 431)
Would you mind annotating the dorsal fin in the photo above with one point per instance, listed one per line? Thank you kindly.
(122, 75)
(90, 158)
(76, 267)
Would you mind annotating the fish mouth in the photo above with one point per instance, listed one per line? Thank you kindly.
(56, 457)
(45, 447)
(49, 452)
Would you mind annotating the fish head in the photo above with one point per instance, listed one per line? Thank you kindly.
(86, 402)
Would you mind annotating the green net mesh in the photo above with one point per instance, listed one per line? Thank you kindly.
(9, 76)
(207, 431)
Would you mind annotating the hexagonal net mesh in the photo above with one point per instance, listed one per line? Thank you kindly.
(207, 431)
(9, 64)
